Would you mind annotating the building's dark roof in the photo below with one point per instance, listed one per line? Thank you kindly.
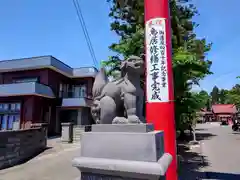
(46, 62)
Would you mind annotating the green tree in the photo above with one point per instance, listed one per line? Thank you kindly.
(215, 95)
(233, 96)
(186, 108)
(189, 61)
(218, 95)
(204, 99)
(208, 105)
(222, 96)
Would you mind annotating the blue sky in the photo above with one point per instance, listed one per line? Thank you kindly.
(50, 27)
(220, 24)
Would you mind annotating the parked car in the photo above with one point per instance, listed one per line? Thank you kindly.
(224, 123)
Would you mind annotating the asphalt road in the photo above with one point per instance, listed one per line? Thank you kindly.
(54, 164)
(220, 147)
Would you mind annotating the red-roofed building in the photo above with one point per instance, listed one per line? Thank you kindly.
(204, 115)
(224, 112)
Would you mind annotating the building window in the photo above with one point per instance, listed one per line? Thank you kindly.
(18, 106)
(80, 91)
(60, 90)
(83, 92)
(4, 122)
(63, 90)
(12, 107)
(7, 121)
(1, 107)
(75, 91)
(25, 80)
(5, 107)
(10, 122)
(15, 106)
(9, 116)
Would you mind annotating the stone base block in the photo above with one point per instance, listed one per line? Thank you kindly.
(123, 145)
(94, 168)
(122, 128)
(118, 153)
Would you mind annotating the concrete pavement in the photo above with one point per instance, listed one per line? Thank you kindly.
(220, 147)
(217, 157)
(53, 164)
(190, 162)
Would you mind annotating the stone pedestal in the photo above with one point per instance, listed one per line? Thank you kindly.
(122, 152)
(67, 132)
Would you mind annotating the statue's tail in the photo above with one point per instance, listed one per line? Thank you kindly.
(100, 81)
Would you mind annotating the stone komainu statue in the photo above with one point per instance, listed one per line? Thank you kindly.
(120, 101)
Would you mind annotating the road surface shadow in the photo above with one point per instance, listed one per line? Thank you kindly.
(222, 176)
(54, 137)
(27, 159)
(199, 136)
(204, 136)
(236, 133)
(200, 129)
(190, 162)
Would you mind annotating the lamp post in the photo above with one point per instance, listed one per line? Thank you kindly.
(159, 76)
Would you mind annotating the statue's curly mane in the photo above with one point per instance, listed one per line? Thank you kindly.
(124, 65)
(123, 68)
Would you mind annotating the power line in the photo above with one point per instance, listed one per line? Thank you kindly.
(84, 28)
(85, 31)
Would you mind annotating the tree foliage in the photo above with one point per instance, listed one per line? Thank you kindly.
(215, 95)
(232, 96)
(203, 99)
(219, 96)
(209, 105)
(222, 96)
(189, 52)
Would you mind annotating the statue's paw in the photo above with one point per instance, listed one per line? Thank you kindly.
(134, 119)
(97, 121)
(120, 120)
(142, 119)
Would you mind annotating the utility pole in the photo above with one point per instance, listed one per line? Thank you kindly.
(159, 76)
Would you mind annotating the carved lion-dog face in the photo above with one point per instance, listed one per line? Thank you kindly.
(133, 65)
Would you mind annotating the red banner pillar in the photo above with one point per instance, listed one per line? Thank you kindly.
(159, 76)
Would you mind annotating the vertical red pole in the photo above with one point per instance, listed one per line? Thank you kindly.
(160, 112)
